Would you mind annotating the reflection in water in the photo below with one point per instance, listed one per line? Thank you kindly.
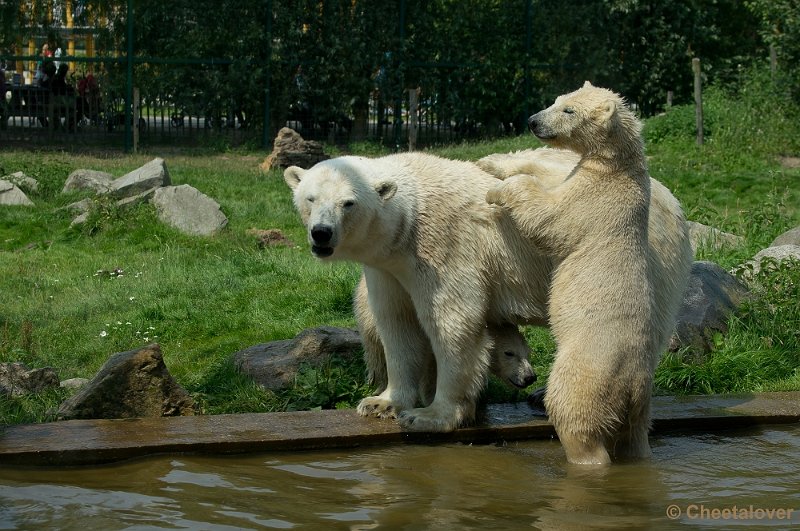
(521, 485)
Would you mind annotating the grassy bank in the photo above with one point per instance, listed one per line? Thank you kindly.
(65, 304)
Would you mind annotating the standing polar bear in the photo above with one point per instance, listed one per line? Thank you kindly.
(605, 312)
(441, 270)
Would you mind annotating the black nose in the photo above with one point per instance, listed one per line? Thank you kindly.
(321, 234)
(532, 123)
(529, 380)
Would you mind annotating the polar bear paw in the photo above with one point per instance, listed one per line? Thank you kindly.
(428, 419)
(494, 196)
(375, 406)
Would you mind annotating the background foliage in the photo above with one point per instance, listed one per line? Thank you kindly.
(483, 65)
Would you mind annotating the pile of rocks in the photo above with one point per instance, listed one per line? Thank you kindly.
(182, 207)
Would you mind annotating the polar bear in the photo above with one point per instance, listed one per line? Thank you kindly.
(605, 311)
(440, 266)
(509, 357)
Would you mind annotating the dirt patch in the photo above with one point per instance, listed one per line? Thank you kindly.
(790, 162)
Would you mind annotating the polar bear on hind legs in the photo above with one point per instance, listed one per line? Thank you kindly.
(604, 306)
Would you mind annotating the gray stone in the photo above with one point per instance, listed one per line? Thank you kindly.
(11, 195)
(16, 379)
(771, 255)
(275, 365)
(189, 210)
(96, 181)
(290, 149)
(130, 384)
(24, 182)
(80, 219)
(152, 175)
(137, 199)
(712, 296)
(711, 238)
(790, 237)
(73, 383)
(79, 206)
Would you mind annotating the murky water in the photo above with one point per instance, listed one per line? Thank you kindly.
(726, 480)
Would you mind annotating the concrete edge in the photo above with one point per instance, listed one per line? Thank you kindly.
(89, 442)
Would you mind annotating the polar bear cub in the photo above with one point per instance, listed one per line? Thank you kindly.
(602, 306)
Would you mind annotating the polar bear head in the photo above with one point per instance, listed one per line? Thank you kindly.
(509, 361)
(586, 120)
(341, 202)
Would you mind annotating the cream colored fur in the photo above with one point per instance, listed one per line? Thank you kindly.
(509, 356)
(441, 270)
(617, 287)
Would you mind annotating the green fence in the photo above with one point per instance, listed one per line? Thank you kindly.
(393, 94)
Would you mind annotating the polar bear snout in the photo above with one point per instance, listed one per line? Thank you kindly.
(537, 126)
(321, 234)
(322, 240)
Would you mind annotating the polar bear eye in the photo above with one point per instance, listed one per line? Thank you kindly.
(310, 199)
(569, 110)
(509, 353)
(349, 203)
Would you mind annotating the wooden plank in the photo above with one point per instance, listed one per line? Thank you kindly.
(81, 442)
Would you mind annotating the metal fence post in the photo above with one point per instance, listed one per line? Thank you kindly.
(129, 81)
(265, 140)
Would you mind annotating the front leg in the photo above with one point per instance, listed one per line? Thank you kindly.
(527, 201)
(405, 346)
(461, 346)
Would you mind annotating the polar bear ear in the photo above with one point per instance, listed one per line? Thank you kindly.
(607, 110)
(386, 189)
(587, 84)
(293, 175)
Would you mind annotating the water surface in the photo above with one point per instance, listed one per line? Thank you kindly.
(523, 485)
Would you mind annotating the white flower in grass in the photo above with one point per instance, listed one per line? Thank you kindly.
(103, 333)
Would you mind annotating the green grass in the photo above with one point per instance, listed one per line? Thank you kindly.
(202, 299)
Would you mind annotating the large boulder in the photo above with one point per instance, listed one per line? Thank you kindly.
(274, 365)
(189, 210)
(24, 182)
(96, 181)
(130, 384)
(16, 379)
(154, 174)
(766, 259)
(290, 149)
(11, 195)
(790, 237)
(712, 296)
(708, 237)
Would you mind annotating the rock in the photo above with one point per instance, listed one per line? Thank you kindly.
(80, 219)
(709, 237)
(137, 199)
(74, 383)
(130, 384)
(274, 365)
(270, 238)
(290, 149)
(771, 255)
(152, 175)
(189, 210)
(97, 181)
(10, 195)
(23, 181)
(790, 237)
(712, 296)
(16, 379)
(81, 206)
